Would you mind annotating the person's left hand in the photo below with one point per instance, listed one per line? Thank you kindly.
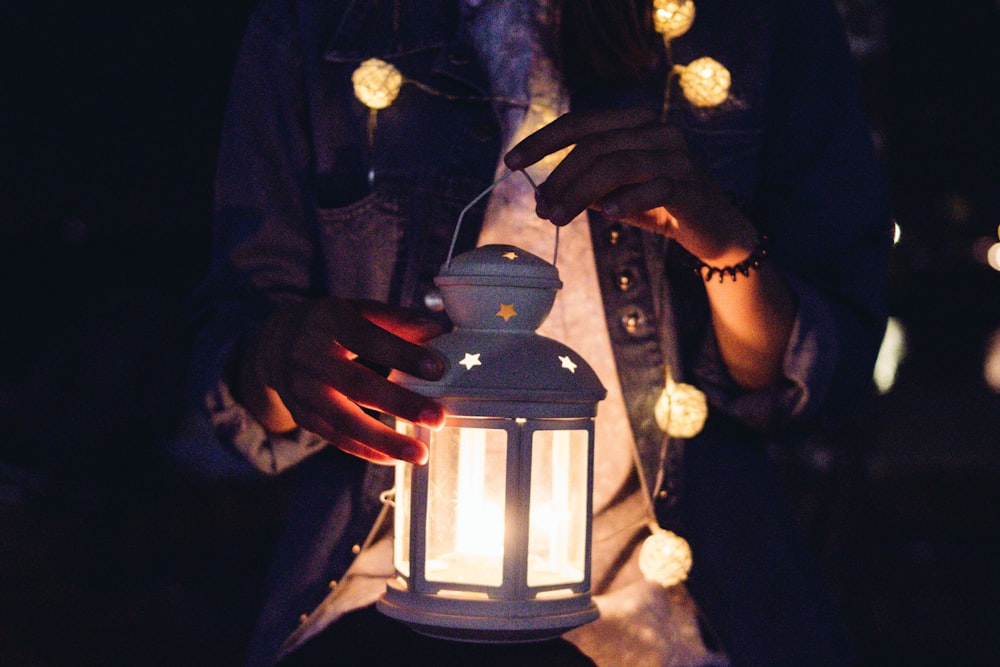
(637, 169)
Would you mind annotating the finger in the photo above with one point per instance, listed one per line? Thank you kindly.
(403, 322)
(347, 445)
(602, 163)
(656, 139)
(369, 389)
(569, 129)
(600, 179)
(331, 415)
(362, 452)
(342, 323)
(641, 199)
(697, 214)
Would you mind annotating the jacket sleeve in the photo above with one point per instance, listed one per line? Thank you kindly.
(263, 233)
(821, 199)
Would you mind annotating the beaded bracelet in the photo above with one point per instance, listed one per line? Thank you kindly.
(751, 263)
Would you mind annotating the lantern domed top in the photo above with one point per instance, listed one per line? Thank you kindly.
(497, 295)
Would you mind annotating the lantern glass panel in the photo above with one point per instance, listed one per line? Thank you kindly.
(557, 534)
(466, 496)
(401, 538)
(402, 503)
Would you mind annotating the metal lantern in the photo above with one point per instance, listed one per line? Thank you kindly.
(492, 537)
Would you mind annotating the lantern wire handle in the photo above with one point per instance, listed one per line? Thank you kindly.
(489, 189)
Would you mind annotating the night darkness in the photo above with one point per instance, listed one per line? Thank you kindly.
(113, 552)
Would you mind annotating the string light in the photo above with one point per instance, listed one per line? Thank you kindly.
(705, 82)
(672, 18)
(991, 364)
(891, 354)
(681, 410)
(377, 83)
(665, 557)
(993, 256)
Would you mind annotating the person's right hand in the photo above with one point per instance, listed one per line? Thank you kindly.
(310, 365)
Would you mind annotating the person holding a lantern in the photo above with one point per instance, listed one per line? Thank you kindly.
(724, 235)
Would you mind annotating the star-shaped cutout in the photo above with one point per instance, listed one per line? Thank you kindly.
(510, 254)
(568, 364)
(470, 360)
(506, 311)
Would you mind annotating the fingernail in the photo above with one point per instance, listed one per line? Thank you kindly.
(558, 216)
(512, 159)
(432, 417)
(431, 368)
(415, 454)
(541, 208)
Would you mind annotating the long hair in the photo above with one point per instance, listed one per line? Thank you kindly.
(604, 43)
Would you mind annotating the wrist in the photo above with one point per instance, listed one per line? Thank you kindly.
(741, 260)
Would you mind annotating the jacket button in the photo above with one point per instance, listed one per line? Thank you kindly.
(434, 301)
(613, 234)
(623, 279)
(633, 321)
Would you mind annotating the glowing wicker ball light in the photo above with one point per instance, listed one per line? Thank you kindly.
(665, 558)
(376, 83)
(705, 82)
(681, 410)
(672, 18)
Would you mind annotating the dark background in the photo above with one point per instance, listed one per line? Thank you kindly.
(113, 552)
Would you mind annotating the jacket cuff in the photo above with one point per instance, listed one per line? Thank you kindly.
(808, 369)
(237, 428)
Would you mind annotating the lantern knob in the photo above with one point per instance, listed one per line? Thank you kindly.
(498, 287)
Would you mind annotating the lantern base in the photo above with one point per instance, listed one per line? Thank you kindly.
(486, 621)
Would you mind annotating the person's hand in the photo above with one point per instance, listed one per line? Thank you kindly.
(637, 169)
(316, 365)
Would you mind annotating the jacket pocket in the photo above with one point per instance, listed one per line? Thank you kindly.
(361, 246)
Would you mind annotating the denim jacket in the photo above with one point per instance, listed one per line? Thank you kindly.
(309, 203)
